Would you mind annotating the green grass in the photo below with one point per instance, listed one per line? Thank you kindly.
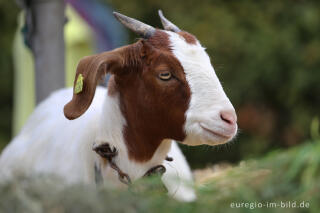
(287, 175)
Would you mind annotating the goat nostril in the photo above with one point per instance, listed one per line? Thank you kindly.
(228, 116)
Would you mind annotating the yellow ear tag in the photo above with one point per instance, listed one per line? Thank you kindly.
(79, 84)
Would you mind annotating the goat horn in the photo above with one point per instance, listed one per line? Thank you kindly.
(168, 25)
(142, 29)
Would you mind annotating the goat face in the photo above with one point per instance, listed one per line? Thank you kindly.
(167, 88)
(209, 117)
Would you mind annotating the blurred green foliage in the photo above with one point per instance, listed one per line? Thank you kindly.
(253, 182)
(266, 53)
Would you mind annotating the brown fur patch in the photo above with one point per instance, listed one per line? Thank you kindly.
(160, 40)
(154, 109)
(112, 86)
(190, 39)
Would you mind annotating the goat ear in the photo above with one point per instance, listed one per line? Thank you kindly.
(90, 71)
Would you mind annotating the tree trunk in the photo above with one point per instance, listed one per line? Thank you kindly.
(47, 43)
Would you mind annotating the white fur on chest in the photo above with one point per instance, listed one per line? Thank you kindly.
(111, 131)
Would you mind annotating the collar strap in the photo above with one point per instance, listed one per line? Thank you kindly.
(105, 151)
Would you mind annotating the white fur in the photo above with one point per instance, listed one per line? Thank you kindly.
(51, 144)
(178, 178)
(207, 95)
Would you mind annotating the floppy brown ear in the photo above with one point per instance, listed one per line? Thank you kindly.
(90, 70)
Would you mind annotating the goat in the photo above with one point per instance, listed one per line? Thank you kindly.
(162, 89)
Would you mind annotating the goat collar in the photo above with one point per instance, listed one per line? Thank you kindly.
(106, 152)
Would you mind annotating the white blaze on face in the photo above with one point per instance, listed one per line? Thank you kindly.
(208, 101)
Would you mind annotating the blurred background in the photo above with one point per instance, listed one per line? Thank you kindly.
(266, 54)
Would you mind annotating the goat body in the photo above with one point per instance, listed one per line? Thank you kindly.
(162, 88)
(51, 144)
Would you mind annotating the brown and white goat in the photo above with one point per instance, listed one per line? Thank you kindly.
(162, 88)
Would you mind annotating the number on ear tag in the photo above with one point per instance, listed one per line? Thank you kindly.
(79, 84)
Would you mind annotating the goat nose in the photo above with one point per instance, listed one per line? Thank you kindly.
(228, 116)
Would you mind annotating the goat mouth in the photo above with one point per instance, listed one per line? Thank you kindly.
(215, 134)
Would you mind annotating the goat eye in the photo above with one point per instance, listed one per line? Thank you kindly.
(165, 76)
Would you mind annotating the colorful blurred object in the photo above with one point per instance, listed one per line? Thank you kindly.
(108, 33)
